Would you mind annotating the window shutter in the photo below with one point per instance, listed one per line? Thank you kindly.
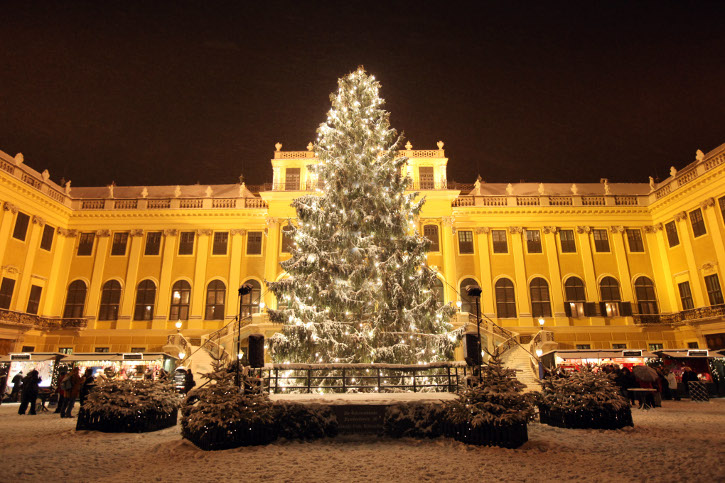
(567, 309)
(603, 309)
(625, 309)
(590, 309)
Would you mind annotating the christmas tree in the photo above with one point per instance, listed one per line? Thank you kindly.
(359, 289)
(585, 390)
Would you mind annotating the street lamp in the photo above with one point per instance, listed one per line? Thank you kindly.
(178, 326)
(245, 289)
(475, 292)
(541, 322)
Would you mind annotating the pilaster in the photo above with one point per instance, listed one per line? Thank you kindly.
(199, 288)
(488, 306)
(99, 263)
(522, 288)
(590, 277)
(36, 228)
(620, 254)
(696, 284)
(449, 259)
(236, 247)
(8, 215)
(134, 257)
(271, 258)
(555, 283)
(167, 264)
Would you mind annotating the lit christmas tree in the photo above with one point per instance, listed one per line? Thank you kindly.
(359, 289)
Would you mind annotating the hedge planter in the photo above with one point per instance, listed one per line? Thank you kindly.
(135, 423)
(216, 438)
(509, 436)
(598, 419)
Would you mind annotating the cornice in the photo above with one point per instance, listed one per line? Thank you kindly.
(27, 191)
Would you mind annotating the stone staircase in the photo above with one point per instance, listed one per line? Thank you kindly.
(200, 362)
(518, 359)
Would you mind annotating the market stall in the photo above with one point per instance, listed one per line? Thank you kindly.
(572, 359)
(699, 361)
(122, 365)
(46, 363)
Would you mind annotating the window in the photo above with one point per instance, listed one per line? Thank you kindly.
(634, 237)
(101, 350)
(656, 347)
(250, 301)
(186, 243)
(465, 242)
(110, 300)
(292, 179)
(287, 239)
(568, 245)
(46, 242)
(713, 289)
(28, 348)
(583, 346)
(75, 301)
(721, 201)
(215, 294)
(575, 297)
(65, 350)
(693, 345)
(221, 238)
(145, 300)
(254, 243)
(619, 346)
(180, 295)
(601, 240)
(499, 241)
(609, 289)
(686, 296)
(138, 349)
(468, 304)
(672, 238)
(431, 233)
(120, 240)
(153, 243)
(533, 241)
(505, 299)
(21, 226)
(427, 180)
(645, 292)
(698, 224)
(6, 292)
(34, 299)
(85, 244)
(540, 303)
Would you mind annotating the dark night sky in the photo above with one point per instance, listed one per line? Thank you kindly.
(148, 93)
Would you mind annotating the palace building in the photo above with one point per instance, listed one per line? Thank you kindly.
(602, 265)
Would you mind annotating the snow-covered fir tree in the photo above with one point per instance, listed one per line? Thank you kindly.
(585, 389)
(359, 289)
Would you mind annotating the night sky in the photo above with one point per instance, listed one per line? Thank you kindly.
(149, 93)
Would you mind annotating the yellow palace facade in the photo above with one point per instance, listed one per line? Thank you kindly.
(603, 265)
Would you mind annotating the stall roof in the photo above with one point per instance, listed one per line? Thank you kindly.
(34, 356)
(597, 353)
(115, 356)
(682, 353)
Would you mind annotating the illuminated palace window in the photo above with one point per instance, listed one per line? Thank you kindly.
(180, 295)
(646, 300)
(575, 297)
(145, 299)
(609, 289)
(215, 294)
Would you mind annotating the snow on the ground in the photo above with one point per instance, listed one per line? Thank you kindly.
(365, 398)
(682, 441)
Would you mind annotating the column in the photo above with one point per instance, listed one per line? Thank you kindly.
(659, 258)
(199, 289)
(33, 245)
(620, 254)
(134, 258)
(6, 223)
(99, 263)
(696, 282)
(63, 245)
(236, 248)
(271, 258)
(488, 307)
(556, 287)
(522, 287)
(449, 259)
(590, 277)
(713, 228)
(167, 264)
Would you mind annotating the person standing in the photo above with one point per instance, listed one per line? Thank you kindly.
(189, 382)
(3, 385)
(30, 392)
(17, 384)
(672, 384)
(88, 385)
(60, 392)
(75, 383)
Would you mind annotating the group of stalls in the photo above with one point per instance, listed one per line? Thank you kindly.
(112, 365)
(707, 364)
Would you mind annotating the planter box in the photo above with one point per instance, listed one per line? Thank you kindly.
(137, 423)
(510, 436)
(601, 419)
(216, 438)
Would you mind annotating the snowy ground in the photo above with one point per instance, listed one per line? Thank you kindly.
(682, 441)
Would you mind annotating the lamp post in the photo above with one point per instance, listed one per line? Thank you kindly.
(475, 292)
(540, 352)
(245, 289)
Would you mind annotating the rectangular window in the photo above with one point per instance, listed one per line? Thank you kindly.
(693, 345)
(713, 289)
(85, 244)
(721, 201)
(686, 296)
(153, 243)
(601, 240)
(656, 347)
(583, 346)
(292, 179)
(568, 245)
(427, 180)
(21, 226)
(65, 350)
(698, 224)
(431, 233)
(46, 242)
(120, 240)
(34, 299)
(619, 346)
(138, 349)
(254, 243)
(634, 237)
(465, 241)
(6, 292)
(101, 350)
(221, 238)
(28, 348)
(672, 238)
(186, 243)
(611, 309)
(500, 244)
(533, 241)
(287, 240)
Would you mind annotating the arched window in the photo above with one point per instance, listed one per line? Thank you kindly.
(575, 297)
(468, 304)
(505, 299)
(540, 303)
(439, 291)
(145, 299)
(75, 300)
(216, 292)
(180, 295)
(110, 300)
(609, 288)
(250, 301)
(646, 299)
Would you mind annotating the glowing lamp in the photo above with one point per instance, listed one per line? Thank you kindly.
(182, 355)
(539, 352)
(541, 321)
(240, 355)
(178, 325)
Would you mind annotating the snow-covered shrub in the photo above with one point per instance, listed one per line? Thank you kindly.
(304, 421)
(584, 399)
(416, 420)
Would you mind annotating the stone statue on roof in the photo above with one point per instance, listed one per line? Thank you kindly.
(177, 191)
(651, 184)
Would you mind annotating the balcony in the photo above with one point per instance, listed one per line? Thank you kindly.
(32, 321)
(685, 316)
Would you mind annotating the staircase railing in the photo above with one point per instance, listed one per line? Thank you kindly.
(179, 341)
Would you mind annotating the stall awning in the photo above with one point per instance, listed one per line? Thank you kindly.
(686, 353)
(117, 356)
(30, 356)
(93, 356)
(602, 354)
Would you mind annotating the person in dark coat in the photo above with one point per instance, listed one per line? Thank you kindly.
(30, 392)
(17, 384)
(60, 392)
(76, 382)
(3, 385)
(688, 375)
(88, 384)
(189, 382)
